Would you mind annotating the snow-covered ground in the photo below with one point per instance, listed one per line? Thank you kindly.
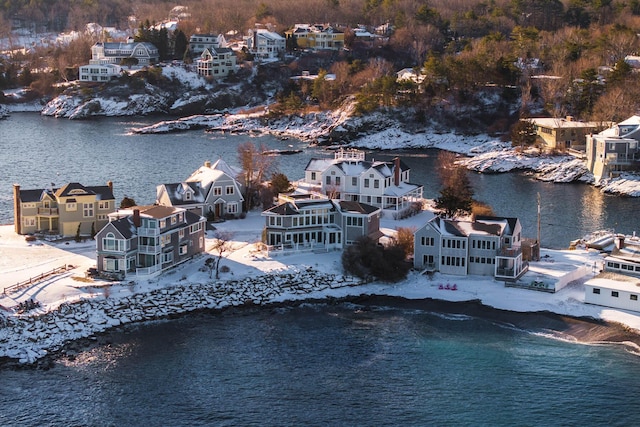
(73, 307)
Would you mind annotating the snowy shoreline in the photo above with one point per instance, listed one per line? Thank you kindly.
(483, 154)
(39, 340)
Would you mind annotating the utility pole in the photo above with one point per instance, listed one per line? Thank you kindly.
(538, 227)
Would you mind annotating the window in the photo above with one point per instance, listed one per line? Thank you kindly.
(614, 294)
(163, 223)
(167, 257)
(376, 183)
(173, 220)
(313, 176)
(183, 249)
(633, 297)
(337, 180)
(232, 208)
(354, 181)
(110, 264)
(29, 221)
(217, 191)
(328, 180)
(110, 243)
(102, 217)
(187, 195)
(87, 210)
(72, 207)
(366, 183)
(229, 189)
(103, 204)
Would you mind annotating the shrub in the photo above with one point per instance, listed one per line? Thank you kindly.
(367, 259)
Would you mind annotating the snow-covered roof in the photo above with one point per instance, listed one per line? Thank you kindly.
(560, 122)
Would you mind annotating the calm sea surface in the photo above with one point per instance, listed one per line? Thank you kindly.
(316, 364)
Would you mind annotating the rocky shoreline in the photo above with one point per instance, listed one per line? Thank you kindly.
(39, 341)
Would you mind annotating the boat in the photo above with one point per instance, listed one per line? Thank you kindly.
(280, 152)
(599, 240)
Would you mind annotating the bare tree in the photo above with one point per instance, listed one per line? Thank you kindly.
(221, 244)
(256, 165)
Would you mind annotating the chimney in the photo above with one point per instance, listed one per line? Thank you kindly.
(396, 171)
(136, 217)
(620, 241)
(207, 164)
(569, 118)
(110, 185)
(17, 206)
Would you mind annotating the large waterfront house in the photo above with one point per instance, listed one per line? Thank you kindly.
(349, 177)
(142, 53)
(265, 45)
(488, 246)
(108, 57)
(615, 149)
(304, 223)
(146, 240)
(211, 191)
(315, 37)
(216, 62)
(563, 133)
(198, 43)
(67, 211)
(99, 72)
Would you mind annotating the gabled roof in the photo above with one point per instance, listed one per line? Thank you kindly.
(102, 192)
(175, 192)
(124, 226)
(357, 207)
(27, 196)
(489, 226)
(296, 208)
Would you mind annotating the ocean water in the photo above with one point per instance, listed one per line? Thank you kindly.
(328, 365)
(316, 365)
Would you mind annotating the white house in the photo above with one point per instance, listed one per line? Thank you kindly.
(615, 149)
(99, 72)
(217, 62)
(265, 45)
(616, 291)
(490, 246)
(348, 176)
(198, 43)
(115, 52)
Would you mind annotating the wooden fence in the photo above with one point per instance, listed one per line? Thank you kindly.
(36, 279)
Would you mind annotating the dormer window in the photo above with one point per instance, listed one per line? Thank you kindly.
(187, 195)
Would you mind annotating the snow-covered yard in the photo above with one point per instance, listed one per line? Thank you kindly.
(252, 276)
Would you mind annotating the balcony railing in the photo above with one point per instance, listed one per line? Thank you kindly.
(48, 211)
(149, 249)
(146, 271)
(513, 252)
(148, 231)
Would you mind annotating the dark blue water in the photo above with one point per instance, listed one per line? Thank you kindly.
(316, 365)
(36, 151)
(328, 365)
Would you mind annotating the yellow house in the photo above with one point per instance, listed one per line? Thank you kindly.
(65, 211)
(315, 37)
(565, 133)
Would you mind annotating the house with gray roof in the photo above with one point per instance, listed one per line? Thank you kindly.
(350, 177)
(487, 246)
(212, 191)
(67, 211)
(303, 223)
(614, 150)
(143, 241)
(144, 53)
